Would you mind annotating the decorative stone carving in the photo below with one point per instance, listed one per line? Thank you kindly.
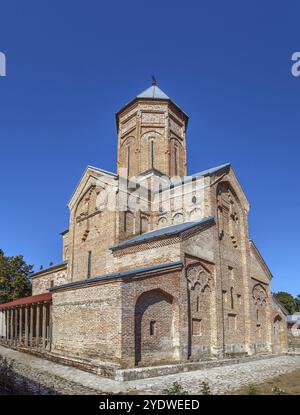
(228, 214)
(128, 125)
(176, 128)
(178, 218)
(151, 134)
(154, 107)
(162, 222)
(196, 274)
(259, 295)
(152, 118)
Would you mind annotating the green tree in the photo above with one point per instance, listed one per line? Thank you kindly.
(287, 300)
(297, 302)
(14, 278)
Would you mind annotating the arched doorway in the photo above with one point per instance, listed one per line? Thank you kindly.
(155, 327)
(278, 335)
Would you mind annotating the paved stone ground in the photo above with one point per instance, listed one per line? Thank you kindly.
(223, 379)
(69, 380)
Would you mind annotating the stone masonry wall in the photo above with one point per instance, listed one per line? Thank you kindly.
(87, 322)
(294, 341)
(42, 283)
(147, 254)
(92, 226)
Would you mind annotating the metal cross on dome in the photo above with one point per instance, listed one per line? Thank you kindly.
(154, 80)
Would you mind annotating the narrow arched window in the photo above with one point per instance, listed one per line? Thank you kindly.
(231, 298)
(152, 328)
(176, 161)
(152, 154)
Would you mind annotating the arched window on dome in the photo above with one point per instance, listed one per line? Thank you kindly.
(152, 154)
(176, 160)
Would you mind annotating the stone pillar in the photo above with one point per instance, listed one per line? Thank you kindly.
(6, 324)
(20, 324)
(31, 327)
(1, 323)
(44, 327)
(50, 327)
(16, 326)
(11, 325)
(26, 326)
(37, 328)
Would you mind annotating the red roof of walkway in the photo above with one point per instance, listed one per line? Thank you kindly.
(27, 300)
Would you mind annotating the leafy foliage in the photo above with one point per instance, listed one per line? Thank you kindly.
(277, 391)
(297, 302)
(288, 301)
(175, 389)
(14, 278)
(252, 390)
(205, 389)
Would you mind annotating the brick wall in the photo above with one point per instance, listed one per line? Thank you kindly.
(42, 283)
(87, 322)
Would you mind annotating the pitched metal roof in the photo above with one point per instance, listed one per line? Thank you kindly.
(211, 170)
(162, 232)
(153, 92)
(190, 178)
(114, 275)
(27, 300)
(84, 173)
(51, 268)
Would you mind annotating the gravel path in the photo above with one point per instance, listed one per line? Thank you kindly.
(70, 380)
(223, 379)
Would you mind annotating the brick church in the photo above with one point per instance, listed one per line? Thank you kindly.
(157, 266)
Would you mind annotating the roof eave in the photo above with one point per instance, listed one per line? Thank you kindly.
(119, 275)
(49, 269)
(89, 167)
(125, 244)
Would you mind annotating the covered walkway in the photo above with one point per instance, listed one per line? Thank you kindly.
(26, 322)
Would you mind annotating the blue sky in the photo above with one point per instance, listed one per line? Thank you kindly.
(72, 64)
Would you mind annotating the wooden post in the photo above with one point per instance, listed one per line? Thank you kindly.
(44, 328)
(11, 325)
(6, 325)
(20, 324)
(2, 323)
(37, 328)
(10, 322)
(50, 327)
(31, 326)
(26, 326)
(16, 326)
